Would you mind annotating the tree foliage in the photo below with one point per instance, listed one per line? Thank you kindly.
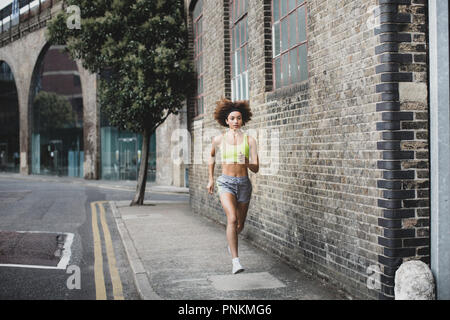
(54, 112)
(140, 49)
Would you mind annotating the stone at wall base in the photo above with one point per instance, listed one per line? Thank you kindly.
(414, 281)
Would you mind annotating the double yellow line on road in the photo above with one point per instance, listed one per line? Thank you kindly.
(100, 287)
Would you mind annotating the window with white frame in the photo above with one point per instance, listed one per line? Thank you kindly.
(239, 49)
(289, 42)
(198, 56)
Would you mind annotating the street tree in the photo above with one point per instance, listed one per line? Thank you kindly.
(140, 49)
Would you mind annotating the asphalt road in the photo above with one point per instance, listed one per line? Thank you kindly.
(98, 265)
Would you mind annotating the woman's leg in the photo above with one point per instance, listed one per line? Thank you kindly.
(229, 205)
(242, 208)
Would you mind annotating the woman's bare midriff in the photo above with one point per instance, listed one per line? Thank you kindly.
(234, 170)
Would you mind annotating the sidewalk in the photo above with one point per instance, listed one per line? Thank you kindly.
(177, 255)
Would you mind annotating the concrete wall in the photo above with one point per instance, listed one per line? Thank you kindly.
(171, 142)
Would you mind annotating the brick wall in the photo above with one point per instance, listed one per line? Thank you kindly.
(343, 187)
(402, 55)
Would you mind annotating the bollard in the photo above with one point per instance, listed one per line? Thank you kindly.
(414, 281)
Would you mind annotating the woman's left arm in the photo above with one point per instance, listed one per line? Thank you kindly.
(253, 164)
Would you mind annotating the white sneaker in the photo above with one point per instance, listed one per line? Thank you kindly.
(237, 266)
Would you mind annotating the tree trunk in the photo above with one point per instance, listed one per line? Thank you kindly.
(142, 178)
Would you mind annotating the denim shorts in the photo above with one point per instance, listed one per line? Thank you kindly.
(240, 187)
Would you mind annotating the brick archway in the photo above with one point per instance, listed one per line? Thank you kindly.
(23, 55)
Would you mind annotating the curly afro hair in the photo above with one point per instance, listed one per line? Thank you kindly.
(225, 107)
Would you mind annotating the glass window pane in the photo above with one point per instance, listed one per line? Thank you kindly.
(203, 104)
(237, 58)
(283, 8)
(292, 29)
(277, 72)
(246, 29)
(238, 88)
(285, 67)
(241, 87)
(291, 5)
(232, 11)
(233, 67)
(284, 35)
(245, 86)
(276, 10)
(246, 58)
(10, 123)
(197, 9)
(239, 9)
(293, 65)
(232, 40)
(57, 130)
(236, 92)
(303, 62)
(276, 39)
(301, 24)
(243, 59)
(242, 25)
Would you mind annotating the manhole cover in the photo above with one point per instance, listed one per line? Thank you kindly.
(35, 249)
(246, 281)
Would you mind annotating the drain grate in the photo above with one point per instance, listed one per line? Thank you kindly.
(35, 249)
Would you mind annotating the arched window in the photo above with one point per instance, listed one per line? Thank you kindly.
(9, 121)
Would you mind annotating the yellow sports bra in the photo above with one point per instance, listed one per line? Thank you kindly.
(230, 152)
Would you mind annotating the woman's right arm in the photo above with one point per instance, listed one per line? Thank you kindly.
(211, 164)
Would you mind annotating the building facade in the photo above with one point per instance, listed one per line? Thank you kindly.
(52, 122)
(339, 95)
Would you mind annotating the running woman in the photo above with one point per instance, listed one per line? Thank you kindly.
(238, 154)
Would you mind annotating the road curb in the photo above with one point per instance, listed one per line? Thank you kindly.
(140, 275)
